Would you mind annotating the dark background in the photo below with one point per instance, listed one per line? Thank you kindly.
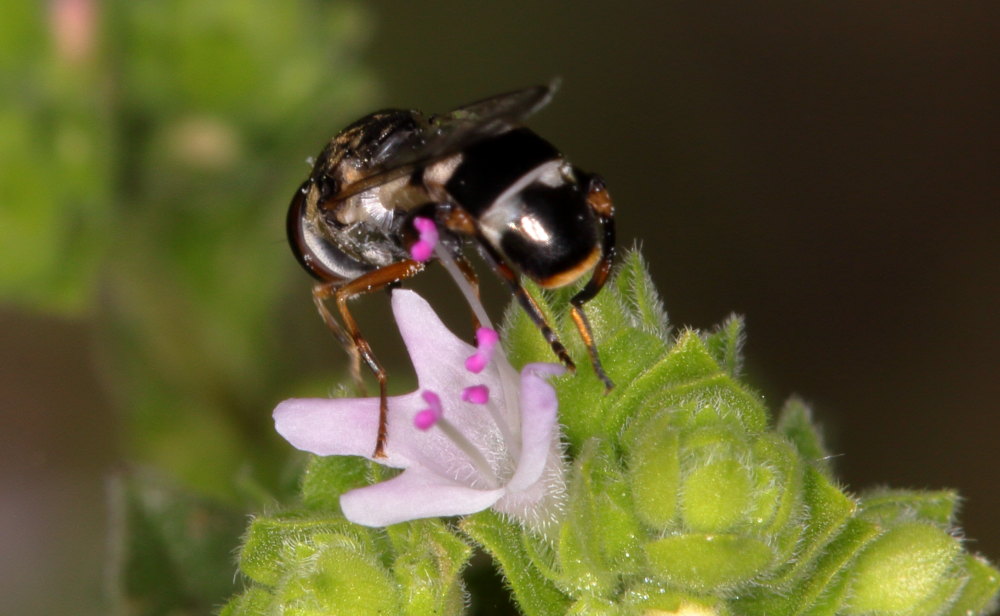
(828, 170)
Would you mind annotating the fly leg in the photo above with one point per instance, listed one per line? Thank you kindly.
(323, 291)
(527, 302)
(458, 221)
(600, 202)
(351, 335)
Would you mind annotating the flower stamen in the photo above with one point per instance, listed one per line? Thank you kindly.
(486, 341)
(425, 419)
(433, 416)
(424, 247)
(476, 394)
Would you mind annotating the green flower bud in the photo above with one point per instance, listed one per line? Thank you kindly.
(908, 570)
(274, 543)
(334, 575)
(720, 505)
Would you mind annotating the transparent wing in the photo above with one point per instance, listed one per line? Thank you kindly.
(452, 131)
(447, 133)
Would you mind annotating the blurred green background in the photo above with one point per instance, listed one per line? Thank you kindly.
(827, 169)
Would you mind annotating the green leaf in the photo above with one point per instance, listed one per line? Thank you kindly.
(172, 550)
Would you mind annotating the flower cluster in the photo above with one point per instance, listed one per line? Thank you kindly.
(675, 493)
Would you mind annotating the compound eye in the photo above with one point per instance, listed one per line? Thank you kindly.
(311, 247)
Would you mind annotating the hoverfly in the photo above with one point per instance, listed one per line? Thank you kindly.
(484, 179)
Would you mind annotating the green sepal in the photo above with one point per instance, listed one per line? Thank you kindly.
(629, 333)
(585, 408)
(598, 541)
(687, 379)
(725, 344)
(716, 488)
(636, 288)
(654, 471)
(820, 589)
(708, 562)
(778, 508)
(893, 506)
(428, 564)
(334, 574)
(979, 595)
(536, 595)
(327, 477)
(316, 565)
(596, 606)
(254, 601)
(827, 511)
(795, 421)
(522, 341)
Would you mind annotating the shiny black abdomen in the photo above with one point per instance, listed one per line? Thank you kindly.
(557, 233)
(493, 165)
(545, 228)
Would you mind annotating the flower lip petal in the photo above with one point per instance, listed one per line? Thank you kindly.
(341, 426)
(416, 493)
(305, 423)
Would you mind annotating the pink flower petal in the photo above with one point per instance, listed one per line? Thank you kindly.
(416, 493)
(338, 427)
(429, 343)
(435, 459)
